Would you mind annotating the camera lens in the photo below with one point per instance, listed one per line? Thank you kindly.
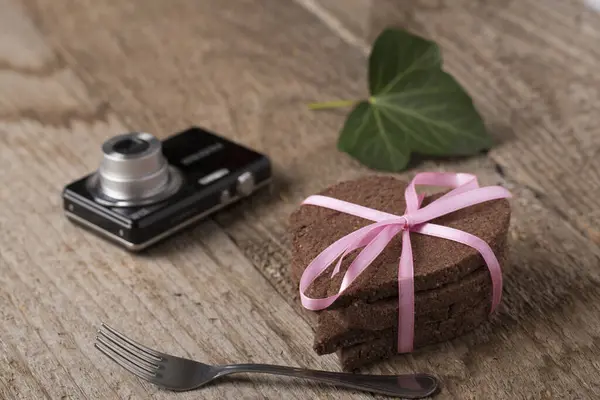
(133, 172)
(130, 145)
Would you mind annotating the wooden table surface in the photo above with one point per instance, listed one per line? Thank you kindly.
(73, 74)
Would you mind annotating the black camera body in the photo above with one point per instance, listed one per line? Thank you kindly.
(146, 190)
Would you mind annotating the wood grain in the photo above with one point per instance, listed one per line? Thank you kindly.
(247, 74)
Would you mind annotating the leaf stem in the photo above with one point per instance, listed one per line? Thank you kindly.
(331, 104)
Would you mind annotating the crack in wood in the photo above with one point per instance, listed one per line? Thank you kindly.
(59, 119)
(46, 70)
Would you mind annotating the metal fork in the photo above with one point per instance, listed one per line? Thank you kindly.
(180, 374)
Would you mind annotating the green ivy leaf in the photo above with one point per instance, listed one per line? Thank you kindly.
(414, 107)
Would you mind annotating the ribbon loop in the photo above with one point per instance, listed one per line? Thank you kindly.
(375, 237)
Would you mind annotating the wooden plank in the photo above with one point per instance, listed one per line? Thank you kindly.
(248, 75)
(197, 296)
(15, 376)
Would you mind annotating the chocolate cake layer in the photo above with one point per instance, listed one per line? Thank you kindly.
(437, 261)
(362, 322)
(354, 357)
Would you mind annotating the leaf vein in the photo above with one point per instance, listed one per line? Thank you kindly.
(384, 136)
(433, 132)
(412, 92)
(399, 77)
(362, 125)
(412, 132)
(431, 121)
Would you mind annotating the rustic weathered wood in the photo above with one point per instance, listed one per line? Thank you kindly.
(247, 73)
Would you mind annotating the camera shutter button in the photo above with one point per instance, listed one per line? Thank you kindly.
(245, 184)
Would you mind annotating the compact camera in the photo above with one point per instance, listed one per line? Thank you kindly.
(146, 190)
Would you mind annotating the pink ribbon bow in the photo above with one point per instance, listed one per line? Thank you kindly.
(376, 236)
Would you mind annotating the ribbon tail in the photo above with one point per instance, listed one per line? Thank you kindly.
(360, 242)
(406, 297)
(378, 232)
(478, 244)
(368, 254)
(320, 264)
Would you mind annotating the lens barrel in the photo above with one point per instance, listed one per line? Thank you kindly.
(134, 171)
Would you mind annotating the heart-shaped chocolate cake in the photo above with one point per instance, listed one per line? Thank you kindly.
(452, 284)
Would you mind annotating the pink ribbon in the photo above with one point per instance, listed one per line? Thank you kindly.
(376, 236)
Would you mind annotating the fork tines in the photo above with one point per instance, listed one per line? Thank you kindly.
(134, 357)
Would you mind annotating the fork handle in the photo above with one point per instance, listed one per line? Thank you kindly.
(412, 386)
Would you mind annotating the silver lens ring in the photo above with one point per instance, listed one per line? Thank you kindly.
(133, 172)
